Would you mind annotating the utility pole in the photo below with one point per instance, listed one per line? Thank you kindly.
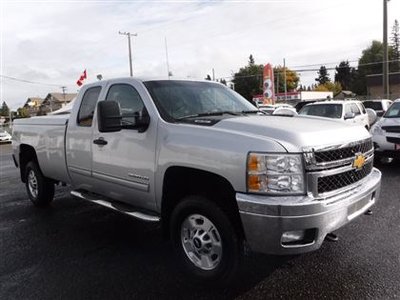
(284, 78)
(167, 59)
(63, 90)
(385, 53)
(128, 34)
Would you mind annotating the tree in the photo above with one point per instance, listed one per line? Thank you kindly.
(343, 74)
(334, 87)
(395, 44)
(4, 110)
(292, 79)
(222, 80)
(370, 62)
(248, 80)
(323, 76)
(208, 77)
(251, 59)
(23, 112)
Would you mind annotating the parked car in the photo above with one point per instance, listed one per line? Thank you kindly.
(352, 112)
(301, 104)
(208, 166)
(386, 133)
(270, 108)
(378, 105)
(5, 137)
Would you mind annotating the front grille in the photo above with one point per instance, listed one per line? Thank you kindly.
(337, 181)
(393, 140)
(391, 128)
(342, 153)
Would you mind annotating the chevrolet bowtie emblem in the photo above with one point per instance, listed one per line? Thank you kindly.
(359, 161)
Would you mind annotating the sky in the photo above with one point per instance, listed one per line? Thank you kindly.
(45, 45)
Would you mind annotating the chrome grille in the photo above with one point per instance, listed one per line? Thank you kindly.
(341, 180)
(342, 153)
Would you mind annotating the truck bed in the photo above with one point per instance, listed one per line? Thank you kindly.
(46, 134)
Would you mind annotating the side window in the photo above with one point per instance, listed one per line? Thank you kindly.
(355, 109)
(88, 105)
(347, 109)
(130, 102)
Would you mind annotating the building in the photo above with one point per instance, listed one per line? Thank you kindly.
(33, 104)
(55, 101)
(375, 86)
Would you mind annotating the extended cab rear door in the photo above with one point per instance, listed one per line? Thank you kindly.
(124, 165)
(79, 137)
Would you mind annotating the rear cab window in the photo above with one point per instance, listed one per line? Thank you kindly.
(88, 105)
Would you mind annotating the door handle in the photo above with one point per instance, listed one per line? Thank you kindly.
(100, 141)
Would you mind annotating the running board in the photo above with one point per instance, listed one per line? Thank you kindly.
(118, 206)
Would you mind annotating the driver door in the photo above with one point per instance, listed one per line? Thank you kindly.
(124, 164)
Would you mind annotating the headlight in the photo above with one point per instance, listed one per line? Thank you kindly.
(275, 173)
(377, 129)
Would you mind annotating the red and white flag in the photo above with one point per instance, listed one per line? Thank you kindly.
(81, 79)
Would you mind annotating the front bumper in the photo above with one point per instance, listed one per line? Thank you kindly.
(265, 218)
(384, 148)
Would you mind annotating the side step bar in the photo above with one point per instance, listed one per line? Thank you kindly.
(118, 206)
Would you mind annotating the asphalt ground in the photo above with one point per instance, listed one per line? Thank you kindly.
(77, 250)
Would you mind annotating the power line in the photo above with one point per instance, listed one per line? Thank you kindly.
(29, 81)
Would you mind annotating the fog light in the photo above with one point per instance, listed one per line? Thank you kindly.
(292, 236)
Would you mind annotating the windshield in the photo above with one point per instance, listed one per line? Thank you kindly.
(323, 110)
(373, 105)
(189, 99)
(393, 111)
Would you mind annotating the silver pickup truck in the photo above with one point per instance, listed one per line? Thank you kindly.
(217, 173)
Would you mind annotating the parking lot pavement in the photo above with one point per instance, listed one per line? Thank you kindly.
(76, 250)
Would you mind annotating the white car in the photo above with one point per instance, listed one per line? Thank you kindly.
(386, 133)
(378, 105)
(352, 112)
(5, 137)
(270, 108)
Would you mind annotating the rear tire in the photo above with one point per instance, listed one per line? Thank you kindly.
(206, 243)
(39, 188)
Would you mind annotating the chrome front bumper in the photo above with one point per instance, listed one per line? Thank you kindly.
(265, 218)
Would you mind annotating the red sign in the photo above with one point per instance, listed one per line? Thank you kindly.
(268, 84)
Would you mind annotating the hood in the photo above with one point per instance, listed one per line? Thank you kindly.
(389, 122)
(296, 133)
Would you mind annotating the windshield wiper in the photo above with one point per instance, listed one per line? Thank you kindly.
(211, 113)
(252, 112)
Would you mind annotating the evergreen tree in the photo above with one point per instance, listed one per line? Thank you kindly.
(395, 43)
(323, 76)
(248, 80)
(4, 110)
(343, 75)
(208, 77)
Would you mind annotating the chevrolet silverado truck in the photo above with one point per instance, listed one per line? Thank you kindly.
(219, 175)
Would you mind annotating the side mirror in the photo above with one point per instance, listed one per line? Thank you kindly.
(109, 116)
(349, 115)
(142, 121)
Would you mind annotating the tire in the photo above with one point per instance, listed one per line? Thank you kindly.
(212, 235)
(39, 188)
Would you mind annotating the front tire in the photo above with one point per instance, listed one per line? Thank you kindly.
(39, 188)
(206, 243)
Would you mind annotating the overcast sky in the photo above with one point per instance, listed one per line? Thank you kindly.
(52, 42)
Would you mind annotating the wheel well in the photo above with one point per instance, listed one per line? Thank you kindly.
(26, 154)
(182, 181)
